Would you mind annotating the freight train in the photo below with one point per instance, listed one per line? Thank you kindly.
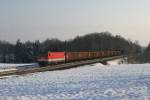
(52, 58)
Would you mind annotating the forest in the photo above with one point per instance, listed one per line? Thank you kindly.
(27, 52)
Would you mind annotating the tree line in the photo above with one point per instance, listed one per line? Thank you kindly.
(144, 57)
(26, 52)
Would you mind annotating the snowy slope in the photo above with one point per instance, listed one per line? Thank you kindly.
(93, 82)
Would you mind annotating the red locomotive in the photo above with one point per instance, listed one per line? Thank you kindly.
(62, 57)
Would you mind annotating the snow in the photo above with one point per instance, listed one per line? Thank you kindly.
(117, 61)
(90, 82)
(7, 69)
(9, 66)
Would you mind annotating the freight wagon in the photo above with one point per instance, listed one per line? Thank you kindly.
(62, 57)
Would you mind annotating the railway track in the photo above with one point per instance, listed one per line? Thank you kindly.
(56, 67)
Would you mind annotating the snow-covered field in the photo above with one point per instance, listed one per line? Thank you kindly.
(8, 67)
(90, 82)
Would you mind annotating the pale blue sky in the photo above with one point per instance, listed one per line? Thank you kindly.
(64, 19)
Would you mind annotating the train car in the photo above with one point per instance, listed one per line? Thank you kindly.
(73, 56)
(62, 57)
(56, 57)
(51, 58)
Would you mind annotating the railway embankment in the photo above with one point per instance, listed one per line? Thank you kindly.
(22, 70)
